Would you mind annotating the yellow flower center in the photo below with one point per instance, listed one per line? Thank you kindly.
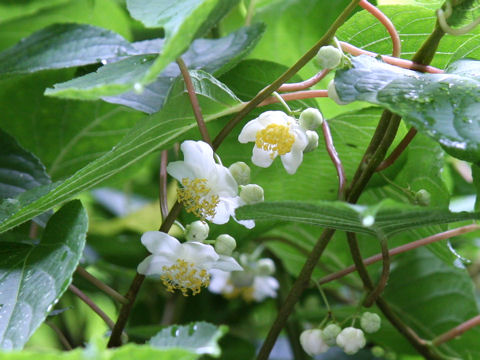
(246, 292)
(184, 276)
(275, 138)
(196, 199)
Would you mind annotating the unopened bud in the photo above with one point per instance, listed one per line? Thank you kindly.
(265, 267)
(351, 340)
(329, 57)
(330, 333)
(240, 172)
(251, 193)
(370, 322)
(332, 93)
(378, 351)
(196, 231)
(312, 342)
(310, 119)
(225, 244)
(312, 138)
(422, 197)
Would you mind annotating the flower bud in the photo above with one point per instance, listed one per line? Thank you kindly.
(225, 244)
(370, 322)
(312, 342)
(265, 267)
(330, 333)
(332, 93)
(251, 193)
(197, 231)
(310, 119)
(329, 57)
(351, 340)
(378, 351)
(422, 197)
(242, 278)
(240, 172)
(312, 138)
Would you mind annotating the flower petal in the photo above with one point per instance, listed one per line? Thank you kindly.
(227, 263)
(158, 242)
(180, 170)
(218, 280)
(264, 286)
(262, 157)
(249, 131)
(292, 160)
(202, 255)
(199, 156)
(221, 182)
(153, 265)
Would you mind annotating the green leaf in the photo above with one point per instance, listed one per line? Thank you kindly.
(155, 132)
(19, 169)
(65, 135)
(182, 21)
(16, 9)
(429, 4)
(61, 46)
(432, 298)
(476, 182)
(388, 217)
(199, 338)
(33, 277)
(215, 56)
(443, 106)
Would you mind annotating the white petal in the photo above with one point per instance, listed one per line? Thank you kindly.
(153, 265)
(301, 139)
(158, 242)
(249, 131)
(249, 224)
(180, 170)
(274, 117)
(292, 160)
(227, 263)
(199, 254)
(264, 286)
(218, 281)
(222, 182)
(262, 157)
(198, 155)
(225, 208)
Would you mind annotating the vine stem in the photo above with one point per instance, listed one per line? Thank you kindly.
(377, 291)
(332, 152)
(92, 305)
(262, 95)
(162, 193)
(396, 43)
(456, 331)
(307, 94)
(101, 285)
(406, 64)
(305, 84)
(401, 249)
(194, 101)
(398, 150)
(63, 339)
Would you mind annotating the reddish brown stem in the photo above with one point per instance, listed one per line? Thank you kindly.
(377, 291)
(406, 64)
(457, 331)
(162, 195)
(401, 249)
(332, 152)
(63, 339)
(100, 285)
(396, 44)
(307, 94)
(398, 150)
(92, 305)
(305, 84)
(194, 101)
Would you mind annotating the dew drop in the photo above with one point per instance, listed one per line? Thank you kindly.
(368, 221)
(138, 88)
(104, 61)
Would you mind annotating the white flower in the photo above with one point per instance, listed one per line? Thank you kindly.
(209, 190)
(182, 266)
(261, 287)
(351, 340)
(275, 133)
(312, 342)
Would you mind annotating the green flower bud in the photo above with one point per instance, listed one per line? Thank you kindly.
(422, 197)
(310, 119)
(330, 333)
(370, 322)
(240, 172)
(225, 244)
(378, 351)
(265, 267)
(251, 193)
(329, 57)
(312, 138)
(242, 278)
(332, 93)
(197, 231)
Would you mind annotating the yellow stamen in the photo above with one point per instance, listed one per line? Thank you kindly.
(184, 276)
(275, 138)
(195, 198)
